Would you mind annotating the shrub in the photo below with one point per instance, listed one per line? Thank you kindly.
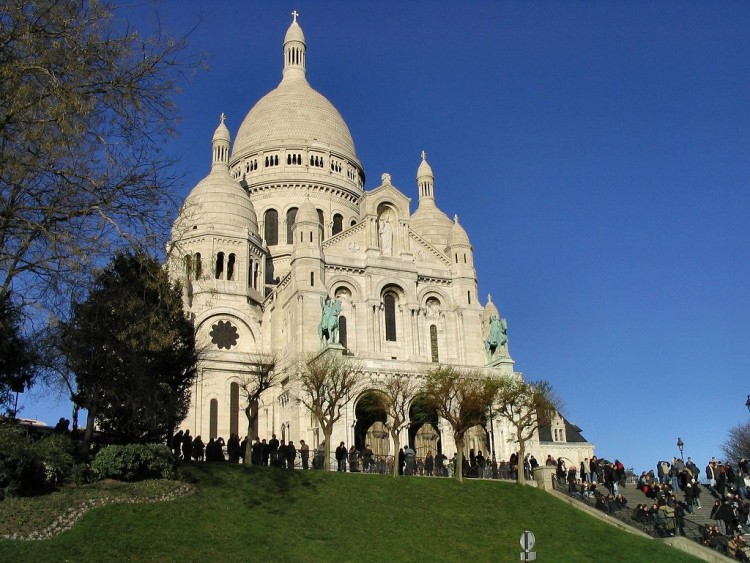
(20, 469)
(54, 452)
(135, 462)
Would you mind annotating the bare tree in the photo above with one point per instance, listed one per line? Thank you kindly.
(86, 107)
(737, 445)
(327, 381)
(462, 399)
(527, 406)
(394, 394)
(260, 376)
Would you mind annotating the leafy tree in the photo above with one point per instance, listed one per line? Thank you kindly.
(394, 395)
(16, 354)
(326, 381)
(86, 105)
(132, 351)
(462, 399)
(527, 406)
(261, 375)
(737, 445)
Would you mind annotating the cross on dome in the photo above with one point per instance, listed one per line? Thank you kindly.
(295, 13)
(424, 155)
(222, 117)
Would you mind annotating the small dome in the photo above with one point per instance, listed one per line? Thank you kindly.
(432, 225)
(424, 170)
(222, 133)
(458, 235)
(307, 213)
(294, 33)
(218, 200)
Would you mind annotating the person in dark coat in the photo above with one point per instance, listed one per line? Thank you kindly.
(341, 455)
(187, 445)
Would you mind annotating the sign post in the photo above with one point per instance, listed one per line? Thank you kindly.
(527, 544)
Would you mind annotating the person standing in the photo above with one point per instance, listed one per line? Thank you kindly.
(187, 446)
(304, 453)
(341, 457)
(291, 454)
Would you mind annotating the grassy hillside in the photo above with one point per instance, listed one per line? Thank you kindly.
(254, 514)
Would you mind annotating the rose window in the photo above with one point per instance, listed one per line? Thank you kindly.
(224, 335)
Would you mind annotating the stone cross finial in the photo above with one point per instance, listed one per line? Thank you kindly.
(294, 15)
(222, 117)
(424, 155)
(386, 178)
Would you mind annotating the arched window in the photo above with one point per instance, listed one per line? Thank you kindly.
(338, 223)
(188, 267)
(434, 343)
(312, 279)
(197, 265)
(322, 220)
(219, 266)
(213, 419)
(230, 267)
(342, 331)
(234, 408)
(389, 302)
(354, 222)
(271, 227)
(291, 215)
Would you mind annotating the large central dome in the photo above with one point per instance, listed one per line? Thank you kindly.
(293, 114)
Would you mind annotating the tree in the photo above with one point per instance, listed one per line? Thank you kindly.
(327, 380)
(261, 375)
(17, 356)
(86, 105)
(737, 445)
(132, 351)
(394, 395)
(462, 399)
(527, 406)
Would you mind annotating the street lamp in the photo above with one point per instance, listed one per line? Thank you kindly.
(747, 403)
(681, 445)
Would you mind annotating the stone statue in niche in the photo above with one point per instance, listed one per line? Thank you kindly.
(385, 233)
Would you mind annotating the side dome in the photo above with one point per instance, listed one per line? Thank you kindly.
(432, 224)
(218, 201)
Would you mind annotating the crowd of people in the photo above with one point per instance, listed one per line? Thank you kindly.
(674, 490)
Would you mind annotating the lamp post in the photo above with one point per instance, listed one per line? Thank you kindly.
(681, 445)
(747, 403)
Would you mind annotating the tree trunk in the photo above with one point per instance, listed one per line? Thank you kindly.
(87, 435)
(327, 449)
(396, 447)
(251, 414)
(520, 468)
(459, 471)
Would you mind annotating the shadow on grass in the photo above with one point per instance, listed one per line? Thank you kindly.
(274, 490)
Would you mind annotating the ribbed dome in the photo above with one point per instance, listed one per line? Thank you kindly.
(218, 200)
(432, 225)
(293, 113)
(458, 235)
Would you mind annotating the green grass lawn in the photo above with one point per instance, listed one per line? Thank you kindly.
(253, 514)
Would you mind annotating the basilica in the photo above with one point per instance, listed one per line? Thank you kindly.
(282, 251)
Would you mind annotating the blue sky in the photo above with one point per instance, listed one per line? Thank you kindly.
(597, 154)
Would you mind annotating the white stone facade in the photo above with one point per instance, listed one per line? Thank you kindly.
(283, 221)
